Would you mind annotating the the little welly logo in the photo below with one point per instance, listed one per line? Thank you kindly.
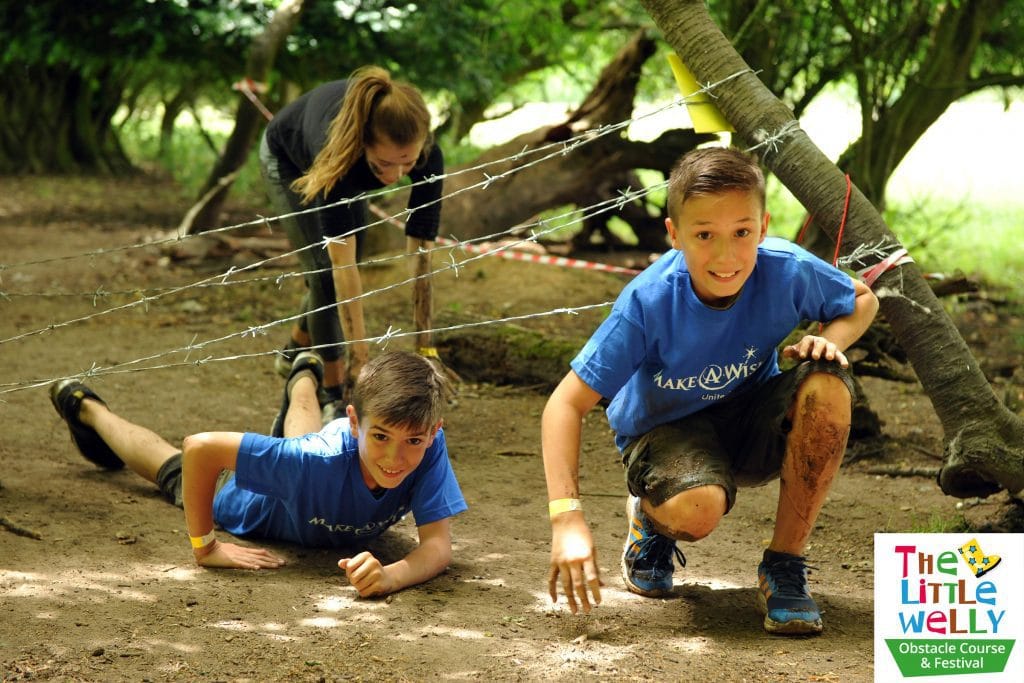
(943, 611)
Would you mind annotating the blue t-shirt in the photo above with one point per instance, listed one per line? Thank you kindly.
(310, 490)
(662, 354)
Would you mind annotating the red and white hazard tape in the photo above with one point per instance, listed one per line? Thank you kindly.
(897, 258)
(518, 255)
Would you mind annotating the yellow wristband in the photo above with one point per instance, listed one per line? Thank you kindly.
(202, 541)
(429, 352)
(560, 505)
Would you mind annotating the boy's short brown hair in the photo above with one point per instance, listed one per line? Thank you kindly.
(401, 389)
(712, 170)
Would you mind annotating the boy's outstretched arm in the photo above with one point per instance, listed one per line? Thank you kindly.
(839, 334)
(573, 556)
(203, 458)
(369, 577)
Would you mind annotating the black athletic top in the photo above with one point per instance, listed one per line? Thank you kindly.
(295, 137)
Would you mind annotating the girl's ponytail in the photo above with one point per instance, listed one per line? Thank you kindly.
(375, 108)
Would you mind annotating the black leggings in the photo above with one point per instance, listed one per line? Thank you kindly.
(323, 326)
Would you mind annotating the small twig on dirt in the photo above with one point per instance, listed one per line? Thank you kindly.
(900, 471)
(925, 451)
(858, 451)
(867, 368)
(524, 389)
(19, 530)
(514, 453)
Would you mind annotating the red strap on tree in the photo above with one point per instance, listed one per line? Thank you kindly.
(249, 88)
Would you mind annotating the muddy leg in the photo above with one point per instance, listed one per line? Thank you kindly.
(814, 451)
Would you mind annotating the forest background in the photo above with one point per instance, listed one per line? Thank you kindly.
(139, 85)
(116, 121)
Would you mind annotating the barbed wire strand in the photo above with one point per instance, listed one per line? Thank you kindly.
(95, 371)
(221, 279)
(260, 330)
(772, 141)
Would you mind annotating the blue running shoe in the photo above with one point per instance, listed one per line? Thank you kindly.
(783, 598)
(647, 565)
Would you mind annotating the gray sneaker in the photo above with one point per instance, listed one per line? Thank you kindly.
(332, 410)
(306, 360)
(284, 358)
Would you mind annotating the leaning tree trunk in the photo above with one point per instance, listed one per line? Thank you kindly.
(984, 441)
(205, 214)
(565, 178)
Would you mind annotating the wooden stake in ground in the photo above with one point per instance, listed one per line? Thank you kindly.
(423, 305)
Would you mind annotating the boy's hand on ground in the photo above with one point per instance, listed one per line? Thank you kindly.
(234, 556)
(574, 559)
(366, 574)
(818, 348)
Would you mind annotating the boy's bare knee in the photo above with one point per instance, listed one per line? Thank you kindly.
(826, 388)
(194, 443)
(821, 420)
(823, 399)
(690, 515)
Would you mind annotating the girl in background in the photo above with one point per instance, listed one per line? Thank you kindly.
(335, 142)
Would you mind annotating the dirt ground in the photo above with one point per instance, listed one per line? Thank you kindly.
(106, 589)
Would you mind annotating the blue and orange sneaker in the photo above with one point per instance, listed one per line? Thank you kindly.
(783, 598)
(647, 565)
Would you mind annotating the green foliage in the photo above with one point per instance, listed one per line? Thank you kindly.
(129, 33)
(765, 34)
(943, 235)
(787, 215)
(65, 71)
(977, 239)
(938, 523)
(477, 52)
(469, 54)
(189, 158)
(464, 54)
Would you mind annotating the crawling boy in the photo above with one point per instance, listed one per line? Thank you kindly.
(340, 485)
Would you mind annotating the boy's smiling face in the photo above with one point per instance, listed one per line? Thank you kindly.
(388, 454)
(718, 235)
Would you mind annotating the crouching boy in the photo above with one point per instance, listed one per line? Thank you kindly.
(698, 404)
